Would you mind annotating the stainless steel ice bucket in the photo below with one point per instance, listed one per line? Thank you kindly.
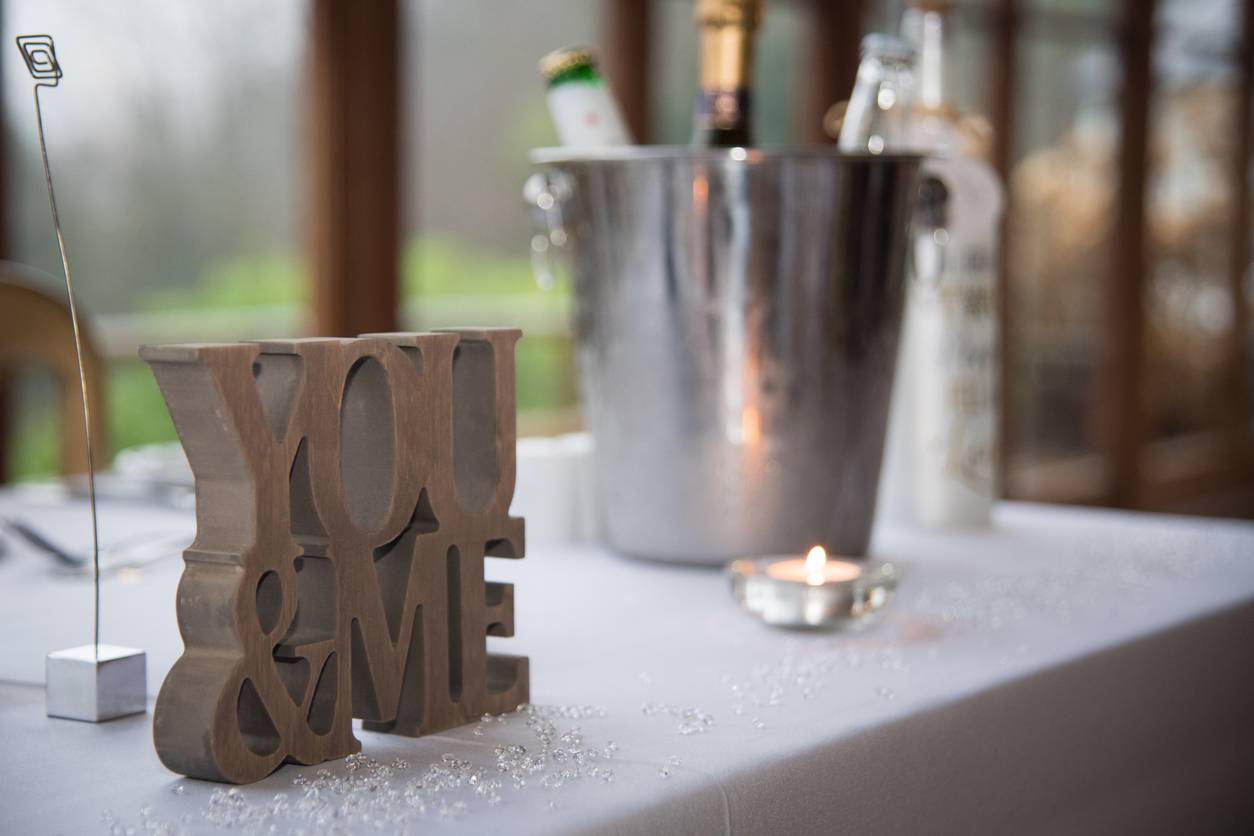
(736, 318)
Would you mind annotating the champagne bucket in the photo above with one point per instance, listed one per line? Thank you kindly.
(737, 314)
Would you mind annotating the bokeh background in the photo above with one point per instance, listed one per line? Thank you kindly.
(180, 139)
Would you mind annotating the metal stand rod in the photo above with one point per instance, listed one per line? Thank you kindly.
(35, 59)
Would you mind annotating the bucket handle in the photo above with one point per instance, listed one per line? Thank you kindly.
(544, 193)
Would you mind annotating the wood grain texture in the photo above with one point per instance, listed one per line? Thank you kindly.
(347, 492)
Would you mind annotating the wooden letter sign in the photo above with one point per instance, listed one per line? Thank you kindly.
(347, 492)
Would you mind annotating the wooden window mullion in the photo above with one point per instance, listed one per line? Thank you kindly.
(628, 33)
(1122, 421)
(354, 166)
(1239, 419)
(836, 39)
(1001, 98)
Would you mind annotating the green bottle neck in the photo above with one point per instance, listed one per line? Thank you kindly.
(581, 73)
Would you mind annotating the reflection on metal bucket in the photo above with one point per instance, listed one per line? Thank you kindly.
(737, 317)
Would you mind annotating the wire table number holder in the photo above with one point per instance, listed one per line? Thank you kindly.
(93, 682)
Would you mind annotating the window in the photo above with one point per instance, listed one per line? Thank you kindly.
(474, 113)
(175, 145)
(1122, 131)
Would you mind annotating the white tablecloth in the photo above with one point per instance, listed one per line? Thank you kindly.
(1067, 670)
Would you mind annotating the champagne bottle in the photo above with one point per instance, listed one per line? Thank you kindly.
(583, 111)
(724, 110)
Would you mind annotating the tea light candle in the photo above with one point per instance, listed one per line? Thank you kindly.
(815, 570)
(814, 591)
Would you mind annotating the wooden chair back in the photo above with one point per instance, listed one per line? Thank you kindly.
(35, 332)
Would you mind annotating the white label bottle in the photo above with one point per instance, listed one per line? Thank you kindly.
(951, 314)
(941, 452)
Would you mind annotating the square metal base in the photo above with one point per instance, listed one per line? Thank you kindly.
(81, 685)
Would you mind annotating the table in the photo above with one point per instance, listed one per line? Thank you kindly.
(1066, 670)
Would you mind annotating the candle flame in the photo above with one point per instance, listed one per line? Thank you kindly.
(816, 563)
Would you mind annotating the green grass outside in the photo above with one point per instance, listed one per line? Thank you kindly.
(137, 414)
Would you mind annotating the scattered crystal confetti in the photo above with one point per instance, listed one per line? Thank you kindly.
(691, 720)
(361, 793)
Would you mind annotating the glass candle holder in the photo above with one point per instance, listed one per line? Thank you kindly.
(813, 592)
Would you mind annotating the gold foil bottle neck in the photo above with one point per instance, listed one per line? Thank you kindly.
(746, 14)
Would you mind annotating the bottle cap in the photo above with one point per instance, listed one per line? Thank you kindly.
(745, 13)
(566, 59)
